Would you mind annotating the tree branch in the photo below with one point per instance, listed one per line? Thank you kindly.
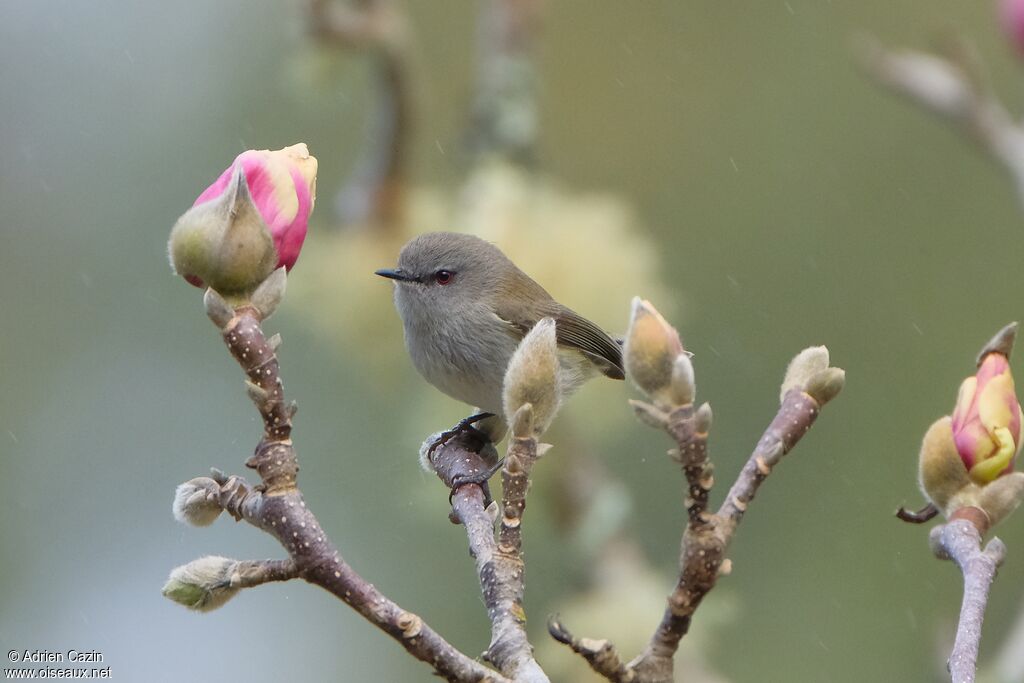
(952, 89)
(277, 506)
(960, 540)
(702, 552)
(499, 562)
(796, 415)
(809, 384)
(376, 193)
(250, 573)
(504, 109)
(601, 655)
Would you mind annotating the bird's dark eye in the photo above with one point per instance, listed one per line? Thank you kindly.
(443, 277)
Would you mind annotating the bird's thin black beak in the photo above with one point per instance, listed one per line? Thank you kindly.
(395, 274)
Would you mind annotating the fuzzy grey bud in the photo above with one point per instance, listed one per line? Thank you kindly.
(425, 452)
(197, 502)
(804, 365)
(522, 422)
(1002, 496)
(650, 353)
(826, 385)
(683, 386)
(702, 419)
(533, 376)
(204, 584)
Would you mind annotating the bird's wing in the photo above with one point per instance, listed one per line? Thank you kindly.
(574, 331)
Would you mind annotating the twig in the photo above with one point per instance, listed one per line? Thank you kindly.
(377, 191)
(707, 536)
(960, 541)
(601, 655)
(925, 514)
(499, 562)
(250, 573)
(952, 89)
(702, 555)
(277, 507)
(796, 415)
(691, 434)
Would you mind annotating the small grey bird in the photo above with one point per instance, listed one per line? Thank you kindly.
(465, 307)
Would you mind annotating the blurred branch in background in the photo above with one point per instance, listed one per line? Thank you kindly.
(376, 194)
(503, 115)
(951, 85)
(498, 199)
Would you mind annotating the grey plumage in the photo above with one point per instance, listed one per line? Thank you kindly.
(465, 307)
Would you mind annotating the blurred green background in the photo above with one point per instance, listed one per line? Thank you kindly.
(789, 202)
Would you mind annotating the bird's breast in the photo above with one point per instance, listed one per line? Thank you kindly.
(464, 357)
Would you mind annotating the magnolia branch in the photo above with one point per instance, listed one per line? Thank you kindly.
(276, 505)
(499, 562)
(952, 88)
(251, 573)
(809, 384)
(960, 541)
(953, 477)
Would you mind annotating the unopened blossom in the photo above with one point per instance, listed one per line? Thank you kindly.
(987, 420)
(249, 222)
(655, 358)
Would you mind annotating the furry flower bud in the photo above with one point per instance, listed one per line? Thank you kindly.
(533, 377)
(251, 221)
(967, 459)
(204, 584)
(197, 502)
(652, 355)
(987, 420)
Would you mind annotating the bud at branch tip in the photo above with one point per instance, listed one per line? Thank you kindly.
(534, 377)
(655, 359)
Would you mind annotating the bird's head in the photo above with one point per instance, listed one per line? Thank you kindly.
(440, 273)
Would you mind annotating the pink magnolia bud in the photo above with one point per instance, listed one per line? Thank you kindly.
(282, 185)
(250, 222)
(1011, 16)
(987, 420)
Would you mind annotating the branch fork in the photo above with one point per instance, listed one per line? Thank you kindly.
(972, 503)
(532, 396)
(959, 540)
(276, 506)
(653, 352)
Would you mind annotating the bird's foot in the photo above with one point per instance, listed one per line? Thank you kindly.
(469, 437)
(478, 478)
(464, 426)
